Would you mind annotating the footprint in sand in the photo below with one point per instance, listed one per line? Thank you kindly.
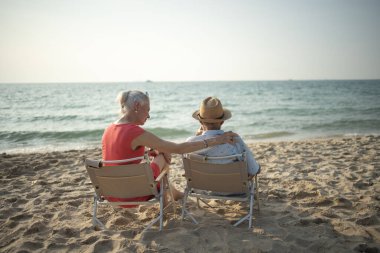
(32, 245)
(67, 232)
(342, 203)
(90, 240)
(367, 221)
(363, 185)
(11, 224)
(300, 194)
(37, 201)
(75, 203)
(57, 246)
(21, 217)
(40, 167)
(103, 246)
(320, 201)
(11, 200)
(35, 228)
(47, 215)
(363, 247)
(20, 202)
(121, 221)
(312, 221)
(130, 233)
(329, 214)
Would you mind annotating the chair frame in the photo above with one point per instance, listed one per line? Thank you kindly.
(207, 180)
(96, 171)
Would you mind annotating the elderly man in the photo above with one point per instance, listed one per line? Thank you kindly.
(211, 115)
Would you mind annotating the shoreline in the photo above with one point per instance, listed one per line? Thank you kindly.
(318, 195)
(62, 148)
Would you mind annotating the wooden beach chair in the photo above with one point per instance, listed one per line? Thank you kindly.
(126, 181)
(206, 180)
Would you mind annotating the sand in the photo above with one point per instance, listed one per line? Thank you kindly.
(316, 196)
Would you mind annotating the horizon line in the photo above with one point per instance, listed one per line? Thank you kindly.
(178, 81)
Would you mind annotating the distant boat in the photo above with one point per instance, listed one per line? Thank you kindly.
(149, 81)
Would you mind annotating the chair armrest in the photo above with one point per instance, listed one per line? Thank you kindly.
(93, 163)
(163, 173)
(205, 158)
(250, 177)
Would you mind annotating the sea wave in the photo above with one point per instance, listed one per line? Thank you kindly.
(270, 135)
(89, 135)
(54, 118)
(64, 118)
(345, 124)
(25, 136)
(169, 132)
(283, 111)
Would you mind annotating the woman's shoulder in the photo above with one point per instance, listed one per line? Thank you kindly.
(124, 127)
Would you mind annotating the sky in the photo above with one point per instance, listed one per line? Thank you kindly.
(188, 40)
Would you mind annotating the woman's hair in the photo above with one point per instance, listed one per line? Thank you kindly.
(127, 99)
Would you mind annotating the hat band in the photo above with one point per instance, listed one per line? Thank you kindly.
(221, 117)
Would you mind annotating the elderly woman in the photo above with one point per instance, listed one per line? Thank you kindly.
(125, 138)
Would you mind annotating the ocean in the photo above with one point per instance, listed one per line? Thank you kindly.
(64, 116)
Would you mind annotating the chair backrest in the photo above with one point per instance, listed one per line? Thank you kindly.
(121, 181)
(203, 175)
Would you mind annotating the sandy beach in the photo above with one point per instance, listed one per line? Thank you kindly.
(319, 195)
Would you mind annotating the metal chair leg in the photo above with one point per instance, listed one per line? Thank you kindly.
(95, 220)
(257, 193)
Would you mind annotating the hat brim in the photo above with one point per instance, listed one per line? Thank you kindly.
(227, 115)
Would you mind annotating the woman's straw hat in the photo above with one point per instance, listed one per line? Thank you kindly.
(211, 111)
